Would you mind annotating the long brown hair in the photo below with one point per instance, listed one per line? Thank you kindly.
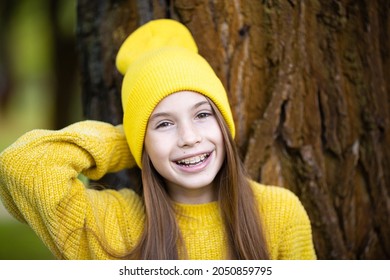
(161, 238)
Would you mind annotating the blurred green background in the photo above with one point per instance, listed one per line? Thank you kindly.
(31, 32)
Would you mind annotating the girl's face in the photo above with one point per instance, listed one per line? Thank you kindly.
(186, 147)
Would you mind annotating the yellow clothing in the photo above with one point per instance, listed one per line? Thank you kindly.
(39, 185)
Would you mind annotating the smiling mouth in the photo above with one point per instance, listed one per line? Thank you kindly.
(193, 161)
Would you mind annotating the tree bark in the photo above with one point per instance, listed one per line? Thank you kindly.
(309, 91)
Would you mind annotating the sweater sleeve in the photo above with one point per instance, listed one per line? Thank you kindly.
(286, 223)
(296, 242)
(39, 185)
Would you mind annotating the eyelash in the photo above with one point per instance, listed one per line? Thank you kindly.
(203, 115)
(163, 124)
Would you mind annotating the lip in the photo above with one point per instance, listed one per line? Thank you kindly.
(195, 168)
(192, 155)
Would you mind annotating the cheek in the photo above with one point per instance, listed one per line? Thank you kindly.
(157, 148)
(159, 156)
(215, 132)
(215, 135)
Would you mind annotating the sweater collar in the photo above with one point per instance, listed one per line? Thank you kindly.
(195, 216)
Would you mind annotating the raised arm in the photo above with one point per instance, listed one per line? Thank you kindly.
(39, 185)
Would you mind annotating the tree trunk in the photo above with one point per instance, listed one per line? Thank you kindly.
(308, 90)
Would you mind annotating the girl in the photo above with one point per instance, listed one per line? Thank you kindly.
(196, 201)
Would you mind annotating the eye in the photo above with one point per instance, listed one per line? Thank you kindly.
(163, 124)
(203, 115)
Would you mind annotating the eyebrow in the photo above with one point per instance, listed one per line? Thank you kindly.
(200, 104)
(165, 114)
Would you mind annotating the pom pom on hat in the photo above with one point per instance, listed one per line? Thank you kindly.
(153, 36)
(158, 59)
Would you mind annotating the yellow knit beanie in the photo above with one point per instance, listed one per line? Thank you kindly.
(158, 59)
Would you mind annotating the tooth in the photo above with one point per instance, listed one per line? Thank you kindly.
(193, 160)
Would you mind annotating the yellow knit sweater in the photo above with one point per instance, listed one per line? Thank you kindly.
(39, 185)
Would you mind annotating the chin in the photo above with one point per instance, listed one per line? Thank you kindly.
(197, 184)
(193, 184)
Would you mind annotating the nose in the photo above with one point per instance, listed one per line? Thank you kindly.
(188, 136)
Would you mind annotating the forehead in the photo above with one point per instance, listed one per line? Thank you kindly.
(180, 100)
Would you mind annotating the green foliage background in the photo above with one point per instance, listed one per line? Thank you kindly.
(29, 44)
